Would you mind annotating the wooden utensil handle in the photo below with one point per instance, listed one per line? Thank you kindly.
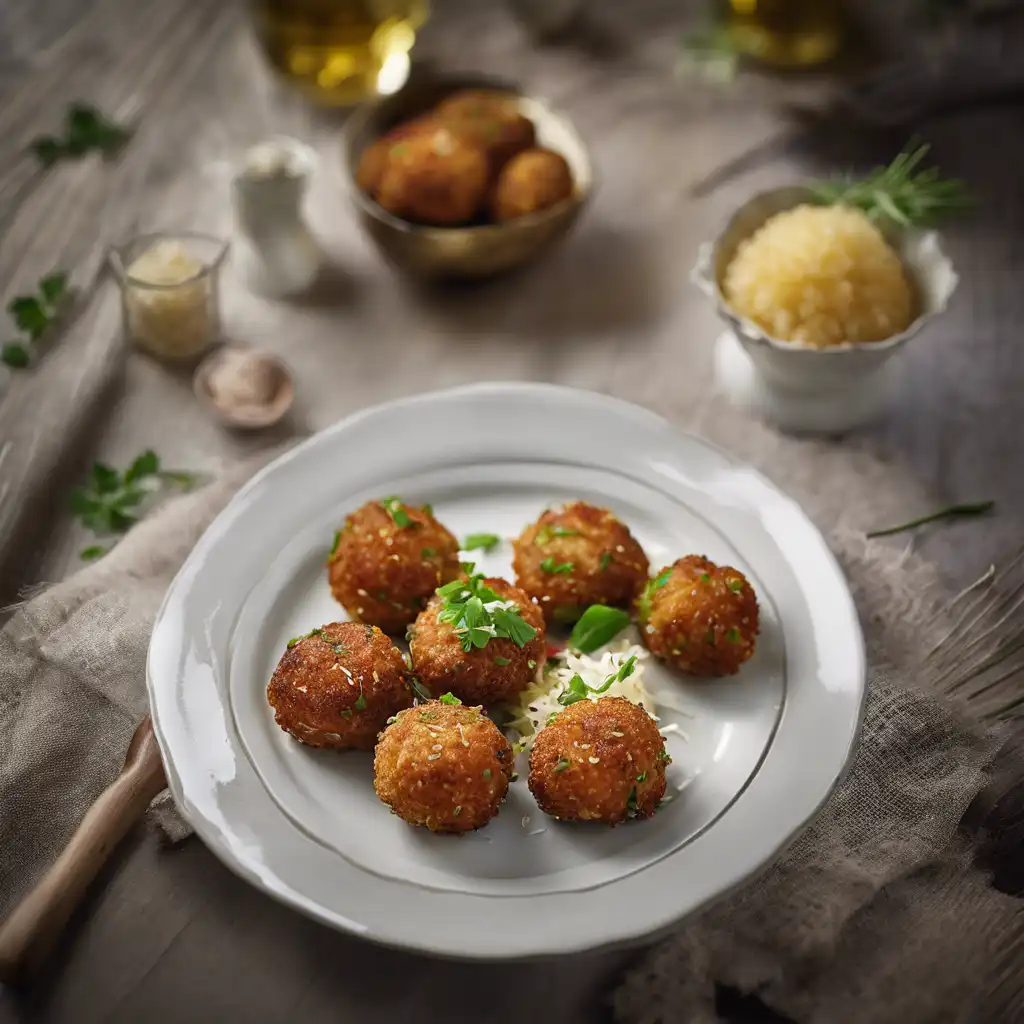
(34, 927)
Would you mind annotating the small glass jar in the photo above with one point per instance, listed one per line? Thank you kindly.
(170, 292)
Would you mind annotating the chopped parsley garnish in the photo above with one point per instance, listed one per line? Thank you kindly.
(392, 720)
(298, 639)
(419, 689)
(85, 130)
(643, 604)
(606, 560)
(486, 773)
(484, 541)
(33, 315)
(631, 807)
(449, 698)
(502, 661)
(334, 546)
(428, 508)
(664, 756)
(551, 566)
(479, 615)
(346, 713)
(338, 648)
(578, 690)
(552, 717)
(705, 578)
(547, 533)
(598, 625)
(427, 553)
(531, 663)
(735, 585)
(563, 763)
(732, 635)
(394, 508)
(641, 777)
(360, 703)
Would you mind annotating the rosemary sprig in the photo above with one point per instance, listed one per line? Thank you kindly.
(900, 193)
(976, 508)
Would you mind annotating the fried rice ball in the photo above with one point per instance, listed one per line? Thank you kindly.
(576, 556)
(699, 617)
(601, 760)
(482, 675)
(338, 685)
(387, 560)
(533, 180)
(490, 120)
(437, 177)
(375, 157)
(444, 766)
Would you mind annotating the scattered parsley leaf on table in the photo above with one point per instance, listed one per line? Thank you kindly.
(32, 315)
(108, 504)
(85, 130)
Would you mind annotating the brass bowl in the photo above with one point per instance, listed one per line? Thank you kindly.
(474, 251)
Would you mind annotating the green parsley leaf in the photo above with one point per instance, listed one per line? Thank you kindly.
(606, 560)
(644, 602)
(732, 635)
(419, 689)
(29, 315)
(735, 585)
(479, 615)
(47, 149)
(486, 773)
(664, 757)
(578, 690)
(485, 541)
(427, 553)
(334, 544)
(396, 510)
(631, 807)
(360, 704)
(53, 288)
(562, 764)
(297, 639)
(428, 508)
(502, 661)
(146, 464)
(551, 717)
(85, 130)
(91, 553)
(14, 355)
(598, 625)
(705, 578)
(641, 777)
(449, 698)
(549, 565)
(547, 533)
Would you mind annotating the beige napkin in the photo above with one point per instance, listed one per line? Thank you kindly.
(875, 914)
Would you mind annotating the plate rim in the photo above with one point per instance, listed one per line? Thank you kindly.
(217, 840)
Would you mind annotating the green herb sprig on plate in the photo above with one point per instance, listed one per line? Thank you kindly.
(578, 690)
(480, 615)
(109, 503)
(597, 626)
(902, 193)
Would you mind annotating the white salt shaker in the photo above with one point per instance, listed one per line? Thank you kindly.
(276, 253)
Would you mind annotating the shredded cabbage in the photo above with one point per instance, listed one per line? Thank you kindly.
(540, 700)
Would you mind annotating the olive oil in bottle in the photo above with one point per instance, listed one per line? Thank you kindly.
(786, 33)
(339, 52)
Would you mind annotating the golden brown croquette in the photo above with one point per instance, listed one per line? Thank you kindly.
(482, 675)
(444, 766)
(576, 556)
(338, 685)
(699, 617)
(600, 760)
(532, 180)
(388, 559)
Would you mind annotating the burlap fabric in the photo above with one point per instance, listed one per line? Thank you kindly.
(874, 914)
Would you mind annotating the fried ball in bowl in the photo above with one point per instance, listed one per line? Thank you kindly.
(443, 765)
(387, 561)
(490, 120)
(375, 157)
(576, 556)
(338, 685)
(699, 617)
(599, 760)
(436, 177)
(482, 675)
(533, 180)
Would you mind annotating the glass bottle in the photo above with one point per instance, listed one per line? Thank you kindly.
(340, 52)
(786, 33)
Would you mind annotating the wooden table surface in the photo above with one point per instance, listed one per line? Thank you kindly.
(188, 75)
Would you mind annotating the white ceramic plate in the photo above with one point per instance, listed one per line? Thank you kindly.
(754, 755)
